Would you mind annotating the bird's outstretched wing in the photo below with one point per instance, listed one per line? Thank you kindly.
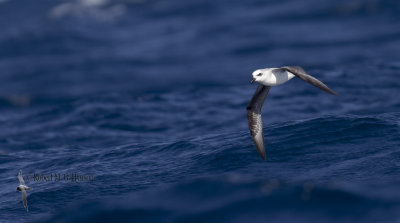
(24, 199)
(254, 118)
(20, 178)
(302, 74)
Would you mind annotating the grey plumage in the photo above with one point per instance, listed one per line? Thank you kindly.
(254, 118)
(20, 178)
(302, 74)
(23, 192)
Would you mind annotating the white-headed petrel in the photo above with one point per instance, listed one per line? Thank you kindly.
(267, 78)
(23, 188)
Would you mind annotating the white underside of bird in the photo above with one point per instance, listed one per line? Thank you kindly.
(272, 76)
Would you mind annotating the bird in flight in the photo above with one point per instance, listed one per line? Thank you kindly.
(268, 78)
(23, 188)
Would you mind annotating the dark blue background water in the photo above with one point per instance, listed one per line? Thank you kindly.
(149, 97)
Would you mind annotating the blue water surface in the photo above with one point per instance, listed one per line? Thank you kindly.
(145, 101)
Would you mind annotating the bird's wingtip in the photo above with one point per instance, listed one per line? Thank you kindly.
(262, 154)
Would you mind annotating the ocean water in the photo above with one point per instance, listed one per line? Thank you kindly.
(135, 111)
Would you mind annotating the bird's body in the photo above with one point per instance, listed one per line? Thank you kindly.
(268, 78)
(23, 188)
(273, 76)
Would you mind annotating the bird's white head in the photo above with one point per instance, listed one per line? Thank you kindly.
(258, 76)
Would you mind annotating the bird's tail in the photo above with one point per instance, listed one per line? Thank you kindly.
(28, 188)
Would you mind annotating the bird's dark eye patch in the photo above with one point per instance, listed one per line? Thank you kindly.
(259, 74)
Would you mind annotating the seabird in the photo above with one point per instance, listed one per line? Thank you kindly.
(267, 78)
(23, 188)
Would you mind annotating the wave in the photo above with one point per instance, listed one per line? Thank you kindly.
(231, 199)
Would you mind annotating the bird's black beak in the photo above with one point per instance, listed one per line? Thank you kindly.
(252, 80)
